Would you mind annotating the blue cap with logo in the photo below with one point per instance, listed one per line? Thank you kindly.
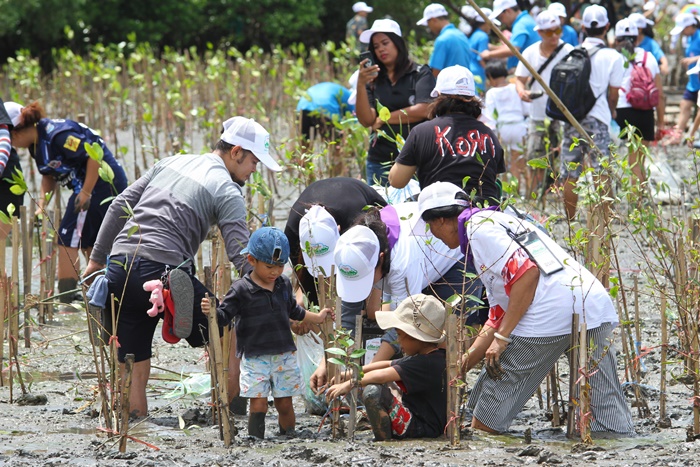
(269, 245)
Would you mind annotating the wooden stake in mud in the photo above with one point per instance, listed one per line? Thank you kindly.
(573, 377)
(584, 387)
(217, 369)
(4, 307)
(664, 351)
(14, 298)
(554, 399)
(26, 228)
(453, 371)
(331, 368)
(354, 392)
(126, 395)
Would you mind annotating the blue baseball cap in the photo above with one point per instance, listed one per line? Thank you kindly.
(269, 245)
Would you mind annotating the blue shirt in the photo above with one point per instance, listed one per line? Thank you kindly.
(451, 48)
(328, 98)
(524, 35)
(478, 42)
(653, 47)
(693, 50)
(569, 35)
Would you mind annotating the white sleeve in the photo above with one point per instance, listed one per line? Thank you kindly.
(617, 71)
(489, 112)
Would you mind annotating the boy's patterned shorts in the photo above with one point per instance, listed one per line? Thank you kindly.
(265, 374)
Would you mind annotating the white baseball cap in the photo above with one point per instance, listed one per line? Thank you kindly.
(547, 20)
(251, 136)
(420, 316)
(595, 16)
(558, 9)
(499, 6)
(352, 100)
(683, 21)
(434, 10)
(380, 25)
(650, 5)
(625, 27)
(14, 111)
(471, 13)
(356, 255)
(640, 20)
(436, 195)
(318, 235)
(362, 6)
(454, 80)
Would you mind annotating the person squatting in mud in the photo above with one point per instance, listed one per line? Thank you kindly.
(406, 397)
(172, 207)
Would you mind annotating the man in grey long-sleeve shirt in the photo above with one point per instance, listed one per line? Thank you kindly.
(171, 209)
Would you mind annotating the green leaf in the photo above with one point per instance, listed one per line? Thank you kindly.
(180, 115)
(337, 351)
(11, 209)
(132, 230)
(107, 200)
(358, 353)
(95, 151)
(384, 114)
(17, 190)
(336, 361)
(4, 219)
(539, 163)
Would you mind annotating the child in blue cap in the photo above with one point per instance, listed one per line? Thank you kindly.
(261, 304)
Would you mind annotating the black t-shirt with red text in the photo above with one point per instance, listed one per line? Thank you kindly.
(452, 147)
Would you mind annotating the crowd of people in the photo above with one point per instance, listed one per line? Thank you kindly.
(455, 124)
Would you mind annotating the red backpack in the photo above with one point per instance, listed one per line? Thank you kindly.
(642, 93)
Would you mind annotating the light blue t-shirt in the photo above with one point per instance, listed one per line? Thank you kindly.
(524, 35)
(653, 47)
(693, 50)
(328, 98)
(451, 48)
(569, 35)
(478, 42)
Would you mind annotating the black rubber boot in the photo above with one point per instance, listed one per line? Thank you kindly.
(64, 285)
(238, 405)
(256, 424)
(288, 432)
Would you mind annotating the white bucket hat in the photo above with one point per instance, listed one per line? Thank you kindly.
(251, 136)
(356, 255)
(420, 316)
(455, 80)
(318, 236)
(380, 25)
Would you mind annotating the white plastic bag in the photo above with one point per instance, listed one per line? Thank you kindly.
(309, 354)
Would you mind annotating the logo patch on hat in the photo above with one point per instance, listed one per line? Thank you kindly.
(319, 249)
(462, 83)
(348, 271)
(267, 143)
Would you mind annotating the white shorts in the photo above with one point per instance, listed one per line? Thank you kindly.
(513, 135)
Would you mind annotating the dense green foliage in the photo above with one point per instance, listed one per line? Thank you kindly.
(40, 25)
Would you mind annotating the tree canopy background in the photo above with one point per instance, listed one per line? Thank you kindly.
(40, 25)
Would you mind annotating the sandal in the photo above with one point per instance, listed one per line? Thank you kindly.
(182, 294)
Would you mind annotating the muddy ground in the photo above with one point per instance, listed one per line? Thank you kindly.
(67, 431)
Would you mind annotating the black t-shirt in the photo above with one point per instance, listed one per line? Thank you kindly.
(4, 118)
(424, 383)
(412, 88)
(452, 147)
(344, 198)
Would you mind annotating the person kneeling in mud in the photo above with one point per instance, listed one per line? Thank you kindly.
(262, 302)
(407, 398)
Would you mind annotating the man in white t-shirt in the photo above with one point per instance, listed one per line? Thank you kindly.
(607, 70)
(543, 133)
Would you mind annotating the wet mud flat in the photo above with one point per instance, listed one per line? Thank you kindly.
(66, 430)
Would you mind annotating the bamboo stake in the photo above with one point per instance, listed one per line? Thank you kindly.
(452, 375)
(51, 248)
(4, 307)
(584, 387)
(14, 298)
(354, 393)
(222, 384)
(110, 403)
(26, 228)
(126, 395)
(573, 376)
(664, 351)
(554, 402)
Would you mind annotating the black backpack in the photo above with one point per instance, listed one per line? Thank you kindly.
(570, 81)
